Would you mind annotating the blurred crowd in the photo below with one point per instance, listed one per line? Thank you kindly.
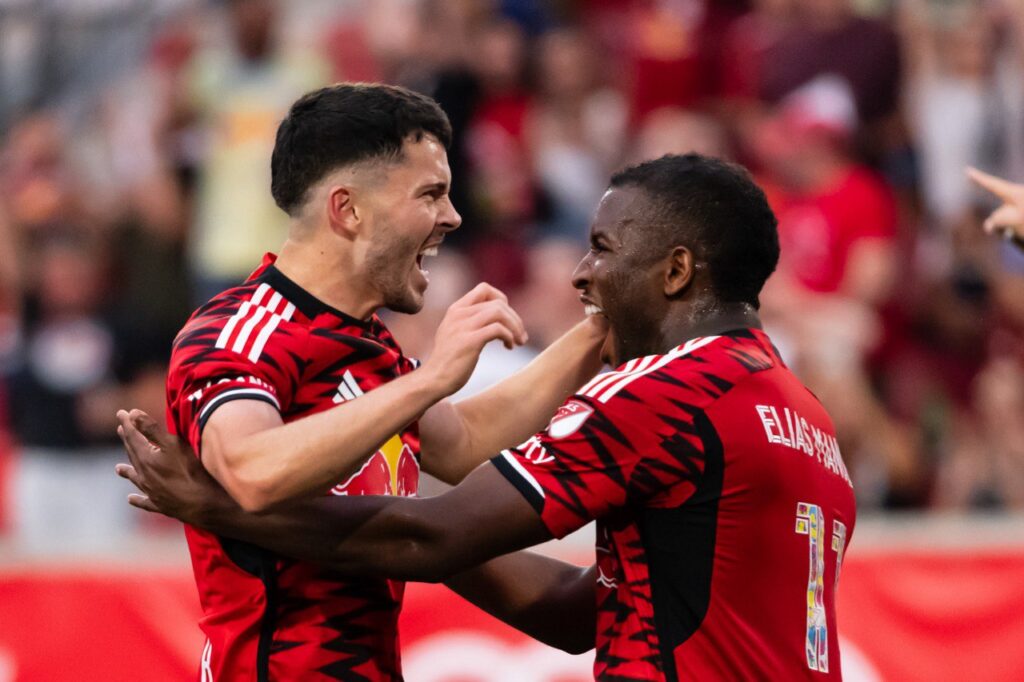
(125, 208)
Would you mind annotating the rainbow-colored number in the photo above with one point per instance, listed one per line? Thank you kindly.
(810, 521)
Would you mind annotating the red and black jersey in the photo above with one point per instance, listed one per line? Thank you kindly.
(723, 506)
(267, 617)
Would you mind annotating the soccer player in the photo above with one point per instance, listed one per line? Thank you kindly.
(724, 508)
(290, 386)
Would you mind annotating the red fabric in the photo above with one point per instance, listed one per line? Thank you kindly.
(697, 464)
(272, 341)
(817, 231)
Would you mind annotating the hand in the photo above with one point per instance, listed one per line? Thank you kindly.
(1008, 219)
(170, 477)
(479, 317)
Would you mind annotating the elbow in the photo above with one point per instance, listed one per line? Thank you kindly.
(253, 490)
(426, 553)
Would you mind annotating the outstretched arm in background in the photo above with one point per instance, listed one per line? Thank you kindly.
(1008, 219)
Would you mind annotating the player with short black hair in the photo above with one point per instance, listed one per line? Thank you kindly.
(723, 505)
(346, 124)
(719, 207)
(290, 386)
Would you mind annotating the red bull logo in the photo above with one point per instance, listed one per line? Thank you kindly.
(392, 470)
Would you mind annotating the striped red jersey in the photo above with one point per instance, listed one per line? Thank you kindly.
(723, 512)
(267, 617)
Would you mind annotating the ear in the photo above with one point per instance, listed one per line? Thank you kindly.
(342, 215)
(681, 271)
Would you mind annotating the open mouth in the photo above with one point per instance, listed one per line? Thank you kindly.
(591, 308)
(427, 251)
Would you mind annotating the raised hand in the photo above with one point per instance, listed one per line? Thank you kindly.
(1008, 219)
(481, 316)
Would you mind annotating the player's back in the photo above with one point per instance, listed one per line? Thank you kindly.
(784, 516)
(723, 510)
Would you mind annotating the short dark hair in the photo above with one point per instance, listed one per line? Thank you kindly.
(344, 124)
(717, 205)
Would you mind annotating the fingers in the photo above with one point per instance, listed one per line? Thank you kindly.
(1005, 190)
(128, 472)
(144, 503)
(497, 311)
(481, 293)
(495, 331)
(149, 428)
(135, 444)
(1005, 220)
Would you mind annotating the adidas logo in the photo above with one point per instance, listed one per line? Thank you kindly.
(348, 389)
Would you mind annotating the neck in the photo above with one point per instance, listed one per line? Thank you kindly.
(707, 318)
(329, 276)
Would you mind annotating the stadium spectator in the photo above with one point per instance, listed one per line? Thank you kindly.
(575, 130)
(65, 382)
(957, 71)
(238, 87)
(830, 38)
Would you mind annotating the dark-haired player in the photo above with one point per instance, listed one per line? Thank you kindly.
(289, 386)
(723, 505)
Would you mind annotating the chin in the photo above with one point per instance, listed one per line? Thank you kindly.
(409, 303)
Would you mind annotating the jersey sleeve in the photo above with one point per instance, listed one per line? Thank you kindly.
(597, 456)
(206, 374)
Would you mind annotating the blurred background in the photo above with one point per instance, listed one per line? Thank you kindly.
(135, 138)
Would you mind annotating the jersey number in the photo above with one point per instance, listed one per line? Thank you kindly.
(810, 521)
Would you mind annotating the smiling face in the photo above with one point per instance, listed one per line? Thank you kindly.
(622, 277)
(408, 212)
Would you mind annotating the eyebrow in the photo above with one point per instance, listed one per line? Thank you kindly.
(439, 186)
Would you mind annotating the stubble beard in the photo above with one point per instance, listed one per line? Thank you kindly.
(388, 268)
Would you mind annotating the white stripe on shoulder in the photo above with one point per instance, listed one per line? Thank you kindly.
(521, 470)
(659, 362)
(629, 369)
(264, 335)
(247, 328)
(239, 393)
(256, 324)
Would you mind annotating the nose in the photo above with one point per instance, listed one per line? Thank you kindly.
(581, 275)
(449, 217)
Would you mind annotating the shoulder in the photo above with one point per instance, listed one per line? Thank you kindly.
(686, 379)
(245, 324)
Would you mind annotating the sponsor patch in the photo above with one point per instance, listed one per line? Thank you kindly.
(569, 419)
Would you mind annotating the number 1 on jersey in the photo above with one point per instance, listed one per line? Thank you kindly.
(810, 521)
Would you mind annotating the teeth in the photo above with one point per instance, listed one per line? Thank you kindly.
(591, 309)
(432, 251)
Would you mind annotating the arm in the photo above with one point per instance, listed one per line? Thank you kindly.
(262, 462)
(458, 437)
(424, 539)
(556, 605)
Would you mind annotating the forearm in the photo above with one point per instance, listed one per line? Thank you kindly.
(521, 405)
(308, 456)
(357, 535)
(556, 605)
(406, 538)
